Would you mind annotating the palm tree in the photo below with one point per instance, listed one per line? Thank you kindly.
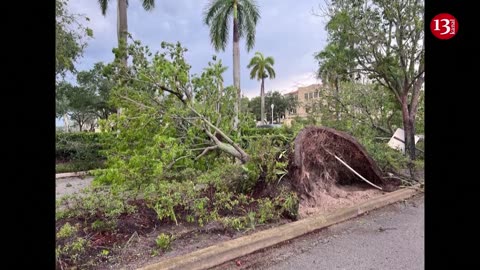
(335, 66)
(122, 26)
(262, 68)
(245, 14)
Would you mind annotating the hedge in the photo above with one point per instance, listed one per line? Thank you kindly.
(79, 146)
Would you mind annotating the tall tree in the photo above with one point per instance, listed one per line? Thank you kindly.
(100, 86)
(88, 100)
(80, 105)
(283, 103)
(245, 14)
(262, 68)
(122, 25)
(70, 34)
(388, 40)
(334, 67)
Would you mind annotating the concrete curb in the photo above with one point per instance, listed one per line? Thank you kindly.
(229, 250)
(71, 174)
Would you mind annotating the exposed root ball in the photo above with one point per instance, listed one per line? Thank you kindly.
(313, 161)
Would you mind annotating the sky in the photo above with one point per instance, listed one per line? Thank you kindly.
(287, 30)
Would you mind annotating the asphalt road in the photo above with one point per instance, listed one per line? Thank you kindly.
(391, 238)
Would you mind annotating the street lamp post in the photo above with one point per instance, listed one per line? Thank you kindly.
(272, 113)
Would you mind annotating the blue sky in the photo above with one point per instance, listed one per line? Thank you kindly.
(287, 31)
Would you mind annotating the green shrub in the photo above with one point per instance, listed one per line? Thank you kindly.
(164, 241)
(268, 159)
(66, 231)
(388, 159)
(95, 202)
(79, 146)
(266, 211)
(72, 249)
(224, 178)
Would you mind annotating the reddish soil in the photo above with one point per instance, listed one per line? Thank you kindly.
(132, 243)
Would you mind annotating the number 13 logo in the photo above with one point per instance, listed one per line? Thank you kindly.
(444, 26)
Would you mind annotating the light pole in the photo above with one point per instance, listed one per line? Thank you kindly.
(272, 113)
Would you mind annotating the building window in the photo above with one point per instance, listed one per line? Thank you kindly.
(306, 96)
(310, 95)
(315, 94)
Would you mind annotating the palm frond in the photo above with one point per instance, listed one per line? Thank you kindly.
(261, 67)
(254, 61)
(253, 72)
(220, 28)
(250, 8)
(250, 35)
(148, 4)
(270, 71)
(270, 60)
(250, 15)
(211, 10)
(103, 6)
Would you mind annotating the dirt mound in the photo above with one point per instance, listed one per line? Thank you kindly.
(314, 166)
(336, 197)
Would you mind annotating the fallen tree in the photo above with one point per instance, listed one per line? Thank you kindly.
(324, 156)
(165, 86)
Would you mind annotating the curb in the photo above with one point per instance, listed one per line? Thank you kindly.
(229, 250)
(71, 174)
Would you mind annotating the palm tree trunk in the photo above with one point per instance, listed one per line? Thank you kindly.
(262, 103)
(236, 66)
(122, 29)
(122, 32)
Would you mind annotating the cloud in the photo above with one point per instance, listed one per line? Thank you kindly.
(287, 31)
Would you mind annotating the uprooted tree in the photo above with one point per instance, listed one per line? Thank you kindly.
(324, 156)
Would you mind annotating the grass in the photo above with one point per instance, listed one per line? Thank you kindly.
(77, 166)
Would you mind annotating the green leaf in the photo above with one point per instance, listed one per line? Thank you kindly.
(89, 32)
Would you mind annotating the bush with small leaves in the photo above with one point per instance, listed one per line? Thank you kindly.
(164, 241)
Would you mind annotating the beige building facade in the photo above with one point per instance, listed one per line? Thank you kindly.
(305, 96)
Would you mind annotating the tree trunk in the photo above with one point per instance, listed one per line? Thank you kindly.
(219, 96)
(237, 153)
(122, 29)
(229, 146)
(66, 123)
(236, 66)
(337, 103)
(409, 128)
(262, 104)
(122, 34)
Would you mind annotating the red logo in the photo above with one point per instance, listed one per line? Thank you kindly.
(444, 26)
